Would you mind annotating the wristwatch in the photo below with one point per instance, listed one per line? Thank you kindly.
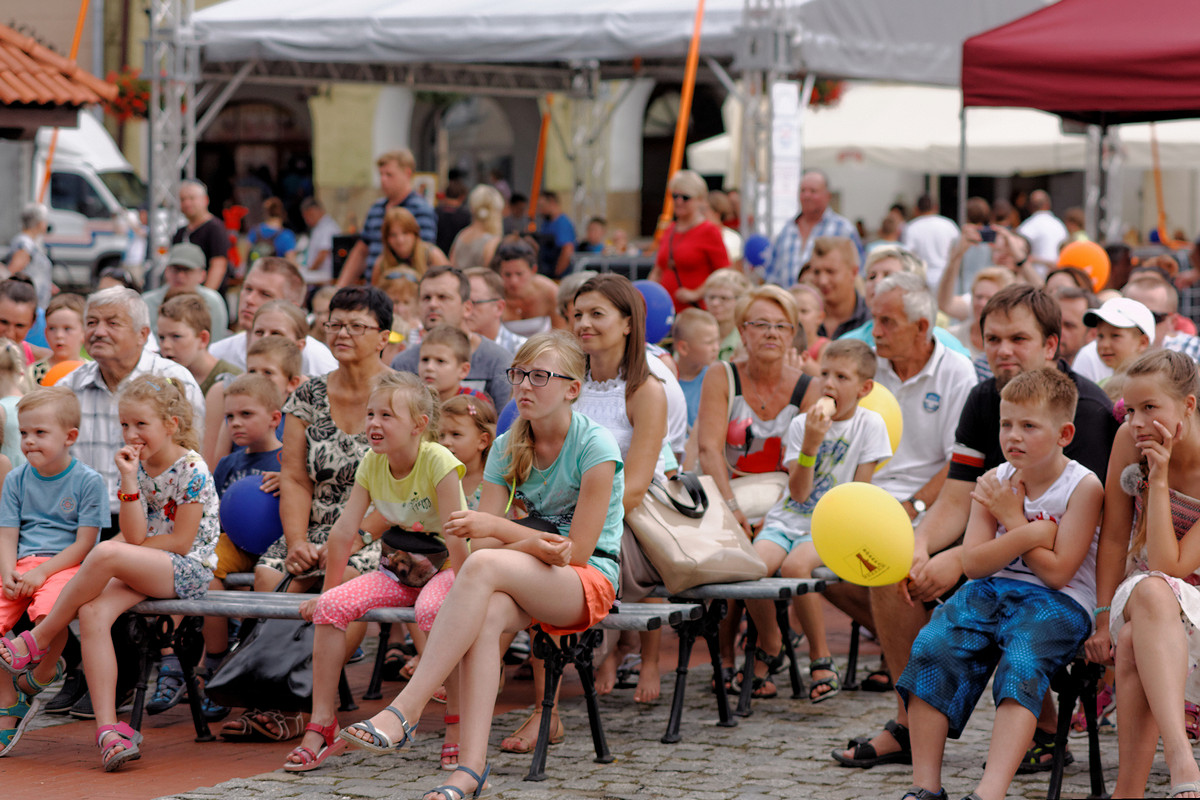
(917, 504)
(367, 538)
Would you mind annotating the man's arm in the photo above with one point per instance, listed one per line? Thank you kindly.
(356, 262)
(564, 259)
(928, 494)
(217, 265)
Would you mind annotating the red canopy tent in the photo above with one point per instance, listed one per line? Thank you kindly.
(1103, 62)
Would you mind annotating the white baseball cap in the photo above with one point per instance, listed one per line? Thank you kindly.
(1121, 312)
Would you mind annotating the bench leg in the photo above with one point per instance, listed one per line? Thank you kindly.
(581, 653)
(345, 696)
(1093, 674)
(1068, 695)
(785, 630)
(551, 653)
(188, 642)
(374, 688)
(743, 706)
(687, 637)
(711, 629)
(851, 680)
(141, 636)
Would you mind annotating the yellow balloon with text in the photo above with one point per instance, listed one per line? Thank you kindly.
(883, 403)
(863, 534)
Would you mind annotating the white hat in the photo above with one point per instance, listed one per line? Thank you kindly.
(1121, 312)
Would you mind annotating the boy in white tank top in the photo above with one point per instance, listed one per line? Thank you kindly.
(1030, 550)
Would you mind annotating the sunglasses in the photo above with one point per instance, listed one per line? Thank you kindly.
(681, 198)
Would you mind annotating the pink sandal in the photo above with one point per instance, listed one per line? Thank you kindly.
(450, 749)
(124, 737)
(17, 663)
(310, 760)
(1191, 713)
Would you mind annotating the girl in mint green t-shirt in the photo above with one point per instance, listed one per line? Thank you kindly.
(566, 471)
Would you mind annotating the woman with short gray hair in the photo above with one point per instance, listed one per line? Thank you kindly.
(28, 252)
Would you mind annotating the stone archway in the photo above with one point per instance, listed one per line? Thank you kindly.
(658, 133)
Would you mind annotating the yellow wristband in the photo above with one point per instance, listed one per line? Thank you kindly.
(805, 460)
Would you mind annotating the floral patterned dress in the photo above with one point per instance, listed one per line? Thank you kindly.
(186, 481)
(331, 461)
(1185, 512)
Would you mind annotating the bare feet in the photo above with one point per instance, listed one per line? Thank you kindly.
(606, 675)
(649, 682)
(523, 738)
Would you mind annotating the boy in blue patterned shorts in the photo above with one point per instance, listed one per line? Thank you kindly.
(1030, 551)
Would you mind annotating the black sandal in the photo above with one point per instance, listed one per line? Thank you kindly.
(1040, 757)
(865, 756)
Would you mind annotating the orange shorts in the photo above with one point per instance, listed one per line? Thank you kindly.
(231, 558)
(598, 597)
(42, 601)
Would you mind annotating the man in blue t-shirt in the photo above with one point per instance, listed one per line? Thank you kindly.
(556, 237)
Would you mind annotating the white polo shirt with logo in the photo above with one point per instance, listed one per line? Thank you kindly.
(930, 404)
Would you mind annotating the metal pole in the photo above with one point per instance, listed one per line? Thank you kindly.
(962, 166)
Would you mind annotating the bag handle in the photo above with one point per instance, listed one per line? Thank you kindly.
(695, 491)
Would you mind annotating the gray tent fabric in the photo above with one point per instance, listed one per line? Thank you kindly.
(915, 41)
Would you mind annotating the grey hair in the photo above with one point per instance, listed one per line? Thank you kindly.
(131, 301)
(909, 261)
(196, 183)
(915, 295)
(32, 214)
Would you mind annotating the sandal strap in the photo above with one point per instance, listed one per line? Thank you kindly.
(899, 733)
(480, 780)
(328, 733)
(409, 730)
(450, 719)
(305, 753)
(446, 790)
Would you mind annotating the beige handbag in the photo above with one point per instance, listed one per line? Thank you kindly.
(689, 540)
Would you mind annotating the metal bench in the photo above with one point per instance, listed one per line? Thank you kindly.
(156, 629)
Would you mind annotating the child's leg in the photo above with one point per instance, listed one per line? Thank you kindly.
(1137, 737)
(773, 551)
(1011, 733)
(1160, 661)
(144, 570)
(928, 729)
(810, 610)
(336, 608)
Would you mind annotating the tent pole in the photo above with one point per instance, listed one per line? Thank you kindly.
(41, 197)
(962, 166)
(681, 123)
(538, 163)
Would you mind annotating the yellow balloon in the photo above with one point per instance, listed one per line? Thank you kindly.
(883, 403)
(863, 534)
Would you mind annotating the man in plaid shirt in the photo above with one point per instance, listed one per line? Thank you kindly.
(793, 245)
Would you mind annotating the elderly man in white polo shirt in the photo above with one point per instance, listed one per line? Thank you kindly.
(931, 384)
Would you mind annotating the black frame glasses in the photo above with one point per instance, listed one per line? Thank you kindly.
(537, 377)
(355, 329)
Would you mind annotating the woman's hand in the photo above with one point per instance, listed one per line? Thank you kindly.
(550, 548)
(302, 557)
(1157, 452)
(127, 460)
(470, 524)
(740, 516)
(308, 608)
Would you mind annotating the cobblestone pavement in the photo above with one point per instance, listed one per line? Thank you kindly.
(782, 750)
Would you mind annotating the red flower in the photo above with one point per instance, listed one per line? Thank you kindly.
(169, 509)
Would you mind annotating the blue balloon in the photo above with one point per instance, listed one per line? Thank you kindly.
(660, 311)
(757, 250)
(508, 415)
(250, 516)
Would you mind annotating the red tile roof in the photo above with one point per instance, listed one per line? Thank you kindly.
(32, 74)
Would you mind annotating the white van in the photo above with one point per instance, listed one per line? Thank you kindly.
(93, 200)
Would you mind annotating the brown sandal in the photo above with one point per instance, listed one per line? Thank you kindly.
(517, 743)
(239, 729)
(289, 726)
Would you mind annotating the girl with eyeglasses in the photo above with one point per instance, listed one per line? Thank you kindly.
(565, 473)
(691, 248)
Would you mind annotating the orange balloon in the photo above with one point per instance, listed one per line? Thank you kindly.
(58, 371)
(1089, 257)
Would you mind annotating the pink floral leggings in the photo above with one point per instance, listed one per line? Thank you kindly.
(341, 606)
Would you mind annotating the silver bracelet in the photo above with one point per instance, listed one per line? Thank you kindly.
(733, 504)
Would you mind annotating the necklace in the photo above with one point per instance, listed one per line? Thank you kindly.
(762, 396)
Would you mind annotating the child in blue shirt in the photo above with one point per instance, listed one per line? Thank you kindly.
(697, 338)
(51, 510)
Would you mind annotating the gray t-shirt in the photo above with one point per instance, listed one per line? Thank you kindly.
(488, 365)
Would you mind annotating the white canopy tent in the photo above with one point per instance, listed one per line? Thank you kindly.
(916, 128)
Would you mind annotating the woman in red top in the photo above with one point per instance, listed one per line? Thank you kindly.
(692, 248)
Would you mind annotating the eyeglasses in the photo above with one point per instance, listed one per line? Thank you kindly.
(490, 300)
(1160, 317)
(537, 377)
(762, 326)
(355, 329)
(681, 198)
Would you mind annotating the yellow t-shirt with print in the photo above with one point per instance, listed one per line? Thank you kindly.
(411, 499)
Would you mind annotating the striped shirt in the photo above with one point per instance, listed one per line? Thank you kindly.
(372, 232)
(791, 251)
(100, 427)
